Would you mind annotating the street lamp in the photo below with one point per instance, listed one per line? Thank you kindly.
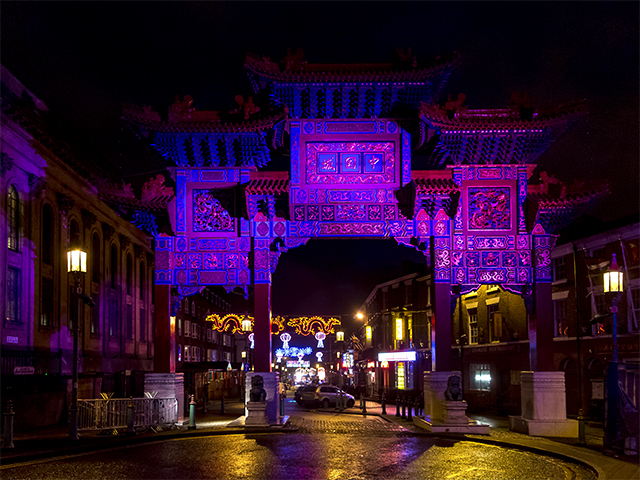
(76, 264)
(246, 324)
(613, 284)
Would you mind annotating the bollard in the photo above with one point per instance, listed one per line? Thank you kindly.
(404, 413)
(361, 401)
(409, 405)
(192, 413)
(384, 404)
(364, 405)
(397, 406)
(130, 428)
(222, 405)
(282, 397)
(8, 426)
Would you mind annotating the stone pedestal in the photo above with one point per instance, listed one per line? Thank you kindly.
(543, 406)
(454, 412)
(445, 416)
(271, 385)
(256, 416)
(168, 385)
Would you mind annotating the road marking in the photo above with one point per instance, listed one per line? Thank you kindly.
(457, 474)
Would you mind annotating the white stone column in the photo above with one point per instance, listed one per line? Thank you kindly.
(271, 386)
(543, 406)
(435, 383)
(168, 385)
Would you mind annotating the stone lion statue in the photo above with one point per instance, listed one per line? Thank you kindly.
(257, 392)
(454, 389)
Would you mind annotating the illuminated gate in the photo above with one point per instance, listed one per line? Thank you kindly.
(472, 213)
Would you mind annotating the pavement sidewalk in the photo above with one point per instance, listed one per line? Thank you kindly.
(54, 442)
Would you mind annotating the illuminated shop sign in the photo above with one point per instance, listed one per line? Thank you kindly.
(397, 357)
(399, 329)
(293, 363)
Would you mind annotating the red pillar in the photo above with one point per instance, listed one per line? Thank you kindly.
(262, 328)
(165, 332)
(441, 334)
(541, 330)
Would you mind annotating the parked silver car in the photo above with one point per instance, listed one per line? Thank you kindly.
(324, 396)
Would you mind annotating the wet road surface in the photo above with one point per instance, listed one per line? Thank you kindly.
(325, 447)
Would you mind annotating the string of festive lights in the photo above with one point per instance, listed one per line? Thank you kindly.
(233, 323)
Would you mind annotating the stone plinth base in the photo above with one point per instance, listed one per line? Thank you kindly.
(256, 416)
(454, 413)
(544, 428)
(271, 385)
(435, 384)
(471, 427)
(543, 406)
(167, 385)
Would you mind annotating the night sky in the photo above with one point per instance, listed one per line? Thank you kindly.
(84, 59)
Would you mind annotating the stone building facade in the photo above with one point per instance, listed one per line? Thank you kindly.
(50, 200)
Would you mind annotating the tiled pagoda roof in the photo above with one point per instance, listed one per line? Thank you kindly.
(558, 204)
(364, 72)
(434, 182)
(497, 136)
(196, 122)
(268, 183)
(194, 138)
(497, 119)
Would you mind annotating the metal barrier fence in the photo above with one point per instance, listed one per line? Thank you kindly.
(101, 414)
(629, 378)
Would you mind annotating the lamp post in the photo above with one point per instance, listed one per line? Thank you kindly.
(612, 285)
(76, 264)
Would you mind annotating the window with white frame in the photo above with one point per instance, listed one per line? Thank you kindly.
(195, 331)
(559, 269)
(473, 325)
(13, 218)
(227, 340)
(179, 326)
(14, 289)
(495, 322)
(187, 353)
(635, 310)
(603, 326)
(561, 329)
(179, 353)
(227, 356)
(187, 328)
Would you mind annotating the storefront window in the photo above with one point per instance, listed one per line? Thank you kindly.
(400, 375)
(480, 376)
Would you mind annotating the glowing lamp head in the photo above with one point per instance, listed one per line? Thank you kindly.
(246, 324)
(76, 261)
(359, 315)
(339, 336)
(613, 278)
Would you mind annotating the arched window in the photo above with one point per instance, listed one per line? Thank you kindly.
(129, 274)
(47, 235)
(95, 258)
(142, 281)
(13, 218)
(114, 267)
(74, 234)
